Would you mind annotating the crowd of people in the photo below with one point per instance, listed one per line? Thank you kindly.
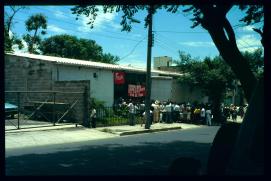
(169, 112)
(232, 111)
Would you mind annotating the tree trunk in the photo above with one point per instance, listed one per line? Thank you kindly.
(234, 58)
(217, 24)
(216, 111)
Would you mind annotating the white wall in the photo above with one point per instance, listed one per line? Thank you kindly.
(161, 89)
(182, 93)
(101, 88)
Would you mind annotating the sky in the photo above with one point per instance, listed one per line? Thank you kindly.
(172, 33)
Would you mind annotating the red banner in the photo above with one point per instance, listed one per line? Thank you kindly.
(119, 77)
(136, 90)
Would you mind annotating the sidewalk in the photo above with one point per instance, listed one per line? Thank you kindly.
(70, 134)
(138, 129)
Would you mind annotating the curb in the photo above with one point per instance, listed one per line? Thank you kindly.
(44, 128)
(148, 131)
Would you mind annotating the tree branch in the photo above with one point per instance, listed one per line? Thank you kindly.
(230, 32)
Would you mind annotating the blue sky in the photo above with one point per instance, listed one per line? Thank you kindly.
(172, 32)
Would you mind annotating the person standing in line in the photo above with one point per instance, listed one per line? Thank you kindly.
(176, 112)
(132, 112)
(93, 117)
(208, 115)
(161, 110)
(197, 114)
(168, 109)
(241, 112)
(145, 117)
(155, 112)
(202, 115)
(234, 114)
(188, 110)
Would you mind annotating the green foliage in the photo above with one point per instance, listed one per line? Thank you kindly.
(109, 58)
(256, 61)
(8, 41)
(254, 14)
(128, 13)
(97, 104)
(213, 76)
(71, 47)
(11, 41)
(34, 23)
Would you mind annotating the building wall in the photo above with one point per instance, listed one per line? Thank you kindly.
(101, 87)
(182, 93)
(161, 89)
(20, 72)
(161, 61)
(25, 74)
(81, 108)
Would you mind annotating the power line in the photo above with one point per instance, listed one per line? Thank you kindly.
(179, 32)
(76, 24)
(242, 41)
(160, 44)
(165, 44)
(81, 19)
(167, 39)
(133, 49)
(163, 47)
(173, 42)
(95, 34)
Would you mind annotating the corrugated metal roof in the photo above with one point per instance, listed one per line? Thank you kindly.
(161, 77)
(85, 63)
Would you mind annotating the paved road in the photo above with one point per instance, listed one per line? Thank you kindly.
(145, 154)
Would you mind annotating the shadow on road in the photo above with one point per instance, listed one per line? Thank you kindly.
(111, 159)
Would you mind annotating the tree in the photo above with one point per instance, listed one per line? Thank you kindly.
(9, 17)
(213, 76)
(109, 58)
(256, 62)
(213, 19)
(11, 40)
(210, 17)
(71, 47)
(34, 23)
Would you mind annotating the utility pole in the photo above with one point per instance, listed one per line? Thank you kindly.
(148, 75)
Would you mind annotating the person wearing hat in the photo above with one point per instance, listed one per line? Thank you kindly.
(156, 111)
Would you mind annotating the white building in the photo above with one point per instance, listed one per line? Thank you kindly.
(101, 76)
(163, 61)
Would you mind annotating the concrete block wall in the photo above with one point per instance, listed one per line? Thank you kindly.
(80, 109)
(25, 74)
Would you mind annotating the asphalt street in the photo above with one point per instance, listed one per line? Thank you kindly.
(143, 154)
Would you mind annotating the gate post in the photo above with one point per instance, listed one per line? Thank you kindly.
(54, 114)
(18, 109)
(86, 116)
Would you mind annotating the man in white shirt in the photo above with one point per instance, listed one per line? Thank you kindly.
(168, 109)
(93, 118)
(176, 112)
(132, 111)
(202, 115)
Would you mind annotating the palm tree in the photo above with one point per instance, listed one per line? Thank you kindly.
(34, 23)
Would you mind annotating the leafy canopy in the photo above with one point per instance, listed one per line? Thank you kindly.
(72, 47)
(210, 74)
(33, 24)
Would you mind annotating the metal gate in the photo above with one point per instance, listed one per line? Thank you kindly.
(30, 109)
